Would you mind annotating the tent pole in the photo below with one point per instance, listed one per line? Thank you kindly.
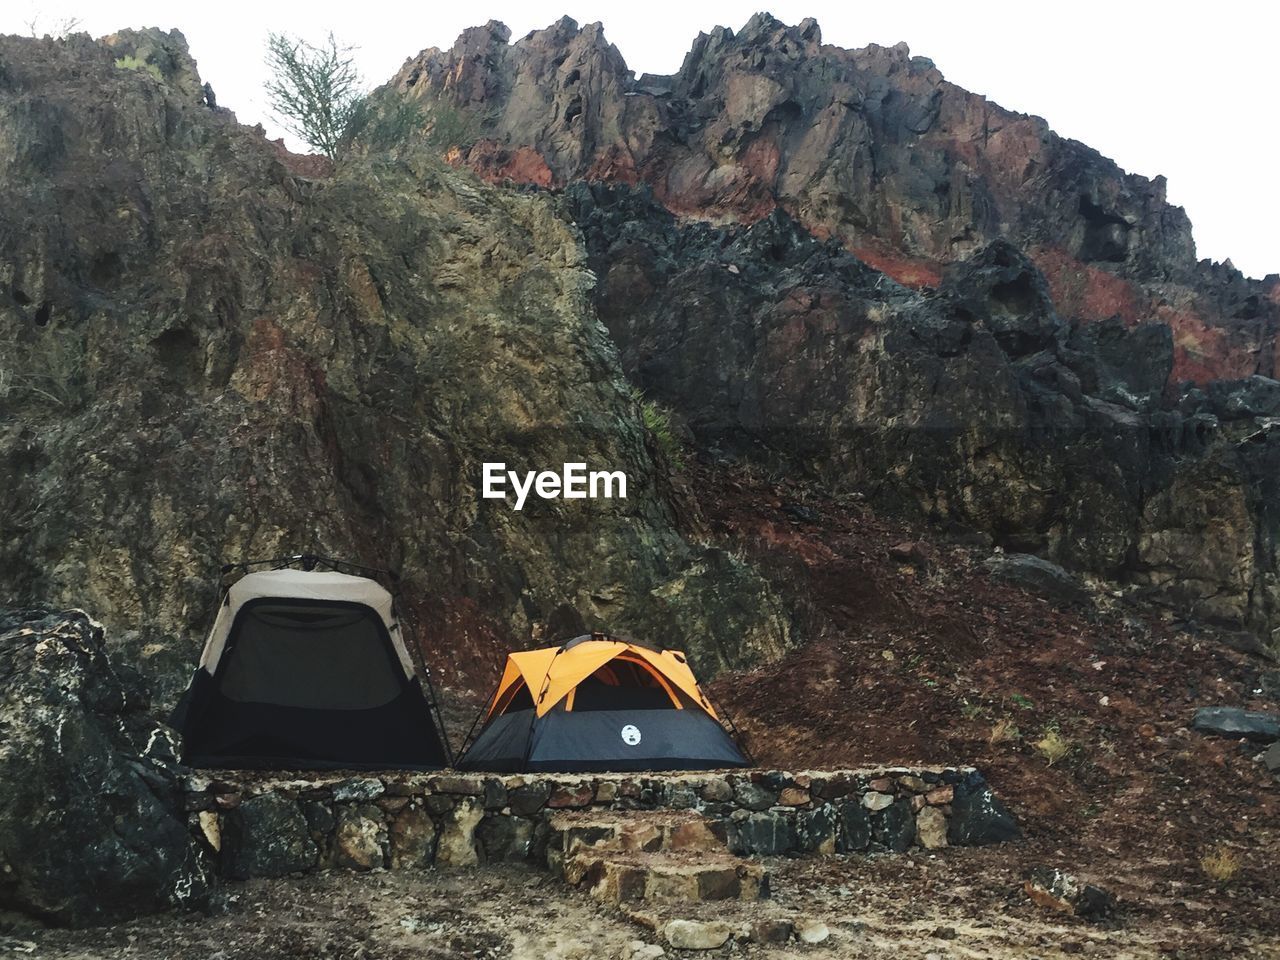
(435, 707)
(466, 742)
(420, 664)
(542, 692)
(737, 736)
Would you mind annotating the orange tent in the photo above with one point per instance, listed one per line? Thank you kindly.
(600, 702)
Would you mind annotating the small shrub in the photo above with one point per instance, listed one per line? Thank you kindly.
(386, 119)
(657, 420)
(1053, 746)
(315, 91)
(970, 710)
(1004, 730)
(49, 370)
(381, 121)
(1220, 864)
(447, 127)
(1022, 702)
(133, 63)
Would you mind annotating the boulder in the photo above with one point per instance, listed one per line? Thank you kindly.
(456, 846)
(855, 826)
(528, 799)
(495, 793)
(505, 838)
(1055, 890)
(1271, 759)
(571, 797)
(894, 827)
(770, 930)
(91, 828)
(876, 801)
(267, 836)
(360, 839)
(679, 796)
(931, 828)
(1037, 575)
(320, 820)
(977, 815)
(412, 838)
(816, 830)
(813, 932)
(754, 796)
(358, 788)
(765, 834)
(697, 934)
(1237, 724)
(717, 790)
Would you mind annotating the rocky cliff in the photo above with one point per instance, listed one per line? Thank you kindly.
(870, 146)
(837, 260)
(975, 405)
(209, 350)
(206, 357)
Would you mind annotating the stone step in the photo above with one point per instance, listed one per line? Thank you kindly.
(707, 926)
(632, 832)
(665, 876)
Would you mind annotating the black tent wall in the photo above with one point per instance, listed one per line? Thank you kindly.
(308, 684)
(563, 741)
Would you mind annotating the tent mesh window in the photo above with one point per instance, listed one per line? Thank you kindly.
(622, 684)
(328, 656)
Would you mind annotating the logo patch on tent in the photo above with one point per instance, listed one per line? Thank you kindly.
(631, 734)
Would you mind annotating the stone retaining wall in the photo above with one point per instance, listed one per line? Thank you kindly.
(263, 826)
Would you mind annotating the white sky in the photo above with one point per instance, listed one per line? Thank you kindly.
(1181, 89)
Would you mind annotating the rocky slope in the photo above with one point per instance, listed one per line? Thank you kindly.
(975, 405)
(206, 357)
(871, 146)
(912, 293)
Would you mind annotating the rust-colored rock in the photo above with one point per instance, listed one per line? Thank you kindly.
(872, 147)
(571, 797)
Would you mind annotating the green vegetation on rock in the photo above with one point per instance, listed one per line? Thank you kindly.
(130, 62)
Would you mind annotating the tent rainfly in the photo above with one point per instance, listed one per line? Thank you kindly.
(308, 669)
(600, 703)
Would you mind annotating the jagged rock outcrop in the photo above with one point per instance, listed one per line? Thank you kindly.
(91, 826)
(871, 146)
(976, 404)
(205, 356)
(1031, 372)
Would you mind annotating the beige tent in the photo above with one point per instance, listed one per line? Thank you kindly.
(308, 668)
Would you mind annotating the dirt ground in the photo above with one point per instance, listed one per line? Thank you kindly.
(958, 904)
(933, 661)
(1078, 715)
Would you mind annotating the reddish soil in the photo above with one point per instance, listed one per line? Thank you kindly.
(923, 661)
